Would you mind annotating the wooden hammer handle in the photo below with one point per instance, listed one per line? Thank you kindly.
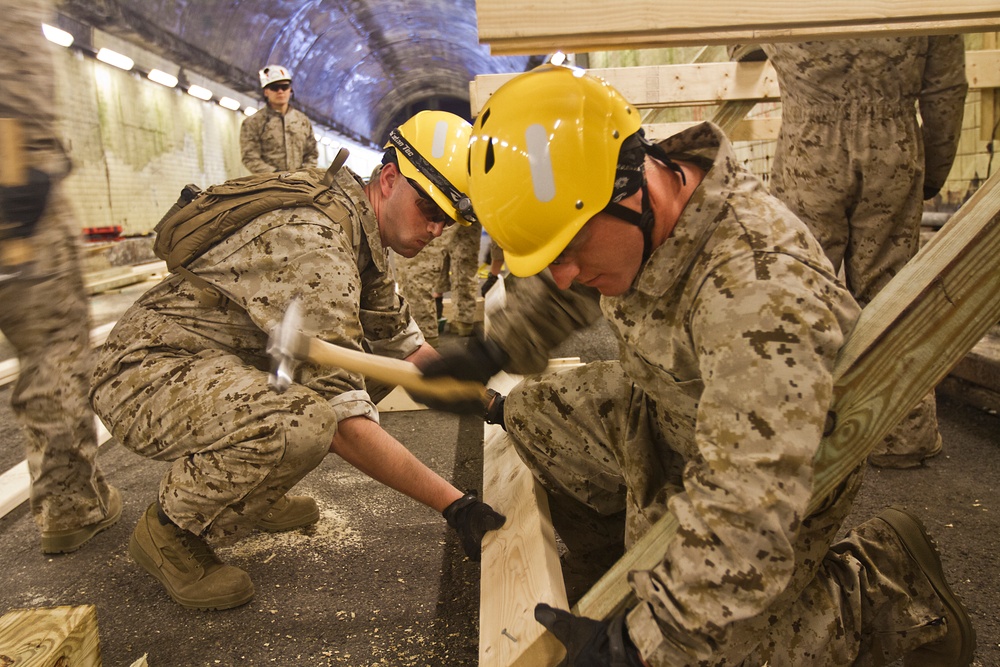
(394, 372)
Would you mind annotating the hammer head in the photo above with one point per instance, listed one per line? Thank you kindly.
(286, 345)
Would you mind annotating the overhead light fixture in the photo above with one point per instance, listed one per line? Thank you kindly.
(249, 111)
(199, 92)
(57, 35)
(116, 59)
(229, 103)
(162, 78)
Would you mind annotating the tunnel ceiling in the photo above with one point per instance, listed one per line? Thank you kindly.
(357, 64)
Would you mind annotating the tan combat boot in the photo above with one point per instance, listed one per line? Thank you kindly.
(186, 566)
(71, 539)
(289, 513)
(955, 649)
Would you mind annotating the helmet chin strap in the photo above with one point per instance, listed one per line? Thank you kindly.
(644, 219)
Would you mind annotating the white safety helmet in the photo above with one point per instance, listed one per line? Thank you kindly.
(274, 74)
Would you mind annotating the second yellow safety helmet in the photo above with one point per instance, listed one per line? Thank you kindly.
(432, 148)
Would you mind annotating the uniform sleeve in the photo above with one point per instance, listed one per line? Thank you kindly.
(942, 106)
(250, 147)
(766, 350)
(537, 317)
(385, 317)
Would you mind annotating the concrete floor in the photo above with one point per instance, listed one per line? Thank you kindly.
(382, 581)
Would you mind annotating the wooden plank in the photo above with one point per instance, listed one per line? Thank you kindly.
(929, 317)
(520, 563)
(654, 86)
(50, 637)
(529, 27)
(658, 86)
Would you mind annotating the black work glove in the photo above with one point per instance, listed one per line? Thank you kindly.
(491, 280)
(21, 206)
(472, 519)
(930, 191)
(590, 643)
(478, 362)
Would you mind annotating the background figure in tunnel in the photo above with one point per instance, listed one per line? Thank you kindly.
(183, 377)
(277, 137)
(855, 163)
(44, 313)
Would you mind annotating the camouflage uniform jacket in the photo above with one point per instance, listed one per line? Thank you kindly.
(839, 79)
(347, 293)
(731, 330)
(270, 141)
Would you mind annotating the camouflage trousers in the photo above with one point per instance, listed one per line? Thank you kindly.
(858, 186)
(449, 263)
(237, 446)
(610, 471)
(45, 317)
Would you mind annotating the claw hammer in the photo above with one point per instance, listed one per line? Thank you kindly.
(287, 345)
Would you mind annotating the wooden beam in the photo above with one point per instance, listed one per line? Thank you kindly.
(520, 565)
(655, 86)
(50, 637)
(696, 84)
(529, 27)
(907, 339)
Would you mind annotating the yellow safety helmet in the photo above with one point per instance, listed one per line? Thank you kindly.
(432, 148)
(542, 160)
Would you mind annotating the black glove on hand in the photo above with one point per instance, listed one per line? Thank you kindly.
(590, 643)
(21, 206)
(472, 519)
(491, 280)
(479, 361)
(931, 191)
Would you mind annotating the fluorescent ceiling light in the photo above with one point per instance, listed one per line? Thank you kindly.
(56, 35)
(113, 58)
(200, 93)
(229, 103)
(162, 78)
(249, 111)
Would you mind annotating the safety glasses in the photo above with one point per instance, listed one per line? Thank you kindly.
(460, 200)
(428, 207)
(275, 87)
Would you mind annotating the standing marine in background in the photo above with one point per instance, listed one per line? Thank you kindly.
(278, 137)
(855, 164)
(44, 313)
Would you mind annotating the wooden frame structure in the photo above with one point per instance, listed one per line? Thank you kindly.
(701, 84)
(529, 27)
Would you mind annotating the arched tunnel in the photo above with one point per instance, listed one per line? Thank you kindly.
(359, 66)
